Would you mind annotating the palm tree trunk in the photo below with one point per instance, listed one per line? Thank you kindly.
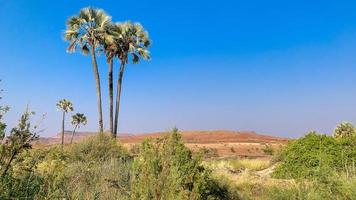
(71, 140)
(111, 97)
(98, 88)
(63, 128)
(118, 95)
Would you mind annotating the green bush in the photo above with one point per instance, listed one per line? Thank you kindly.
(307, 156)
(17, 178)
(327, 185)
(99, 148)
(166, 169)
(97, 168)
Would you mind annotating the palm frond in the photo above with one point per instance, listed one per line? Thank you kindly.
(88, 28)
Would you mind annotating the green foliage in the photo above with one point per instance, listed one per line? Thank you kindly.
(65, 105)
(99, 148)
(327, 185)
(127, 40)
(166, 169)
(79, 119)
(86, 30)
(19, 140)
(344, 129)
(17, 179)
(97, 168)
(307, 156)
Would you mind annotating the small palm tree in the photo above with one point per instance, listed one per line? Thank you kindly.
(86, 31)
(130, 42)
(345, 129)
(77, 120)
(65, 106)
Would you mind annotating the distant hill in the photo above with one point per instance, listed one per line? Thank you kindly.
(197, 137)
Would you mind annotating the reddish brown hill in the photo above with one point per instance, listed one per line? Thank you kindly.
(196, 137)
(220, 143)
(209, 137)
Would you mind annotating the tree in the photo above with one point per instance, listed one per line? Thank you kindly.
(131, 41)
(77, 120)
(65, 106)
(345, 129)
(86, 31)
(19, 140)
(110, 48)
(166, 169)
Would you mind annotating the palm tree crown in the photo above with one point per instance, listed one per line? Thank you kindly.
(87, 29)
(129, 40)
(79, 119)
(65, 105)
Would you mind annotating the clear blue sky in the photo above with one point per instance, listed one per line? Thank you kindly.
(276, 67)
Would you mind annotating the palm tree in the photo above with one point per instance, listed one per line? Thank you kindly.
(131, 43)
(345, 129)
(65, 106)
(86, 32)
(77, 120)
(110, 48)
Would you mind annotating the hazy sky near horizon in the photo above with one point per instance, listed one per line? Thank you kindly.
(275, 67)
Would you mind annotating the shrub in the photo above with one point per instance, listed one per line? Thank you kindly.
(305, 157)
(98, 148)
(166, 169)
(327, 185)
(344, 129)
(97, 168)
(17, 179)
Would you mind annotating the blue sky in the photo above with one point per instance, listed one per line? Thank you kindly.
(275, 67)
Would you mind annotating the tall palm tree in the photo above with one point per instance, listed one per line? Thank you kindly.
(86, 31)
(131, 43)
(77, 120)
(65, 106)
(110, 47)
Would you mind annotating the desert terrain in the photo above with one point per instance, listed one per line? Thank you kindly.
(217, 143)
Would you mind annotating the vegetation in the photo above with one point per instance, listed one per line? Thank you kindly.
(100, 168)
(92, 31)
(86, 31)
(316, 166)
(77, 120)
(65, 106)
(344, 129)
(308, 156)
(130, 41)
(313, 167)
(238, 164)
(12, 160)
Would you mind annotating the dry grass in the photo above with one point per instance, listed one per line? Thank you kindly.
(238, 165)
(244, 175)
(250, 164)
